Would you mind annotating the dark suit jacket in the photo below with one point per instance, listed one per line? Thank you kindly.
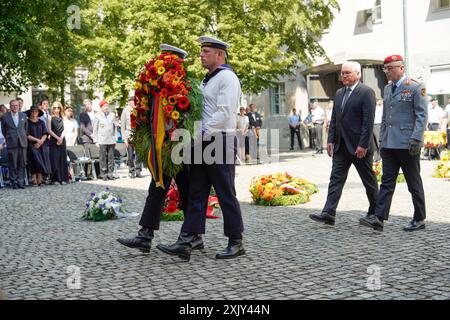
(86, 128)
(353, 126)
(16, 137)
(252, 123)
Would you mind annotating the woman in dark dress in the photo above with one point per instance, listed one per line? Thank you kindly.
(58, 153)
(37, 135)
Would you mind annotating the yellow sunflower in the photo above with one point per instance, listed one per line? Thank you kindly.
(175, 115)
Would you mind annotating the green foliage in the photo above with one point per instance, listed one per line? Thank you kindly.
(285, 200)
(174, 216)
(268, 37)
(36, 43)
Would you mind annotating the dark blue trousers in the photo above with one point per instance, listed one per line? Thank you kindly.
(221, 177)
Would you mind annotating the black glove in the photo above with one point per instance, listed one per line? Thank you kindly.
(414, 147)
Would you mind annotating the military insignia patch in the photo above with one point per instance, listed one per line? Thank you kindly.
(424, 92)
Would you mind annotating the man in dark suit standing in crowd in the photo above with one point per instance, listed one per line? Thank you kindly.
(401, 137)
(350, 140)
(86, 130)
(14, 129)
(254, 125)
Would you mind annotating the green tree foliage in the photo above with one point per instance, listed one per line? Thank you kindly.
(268, 37)
(36, 44)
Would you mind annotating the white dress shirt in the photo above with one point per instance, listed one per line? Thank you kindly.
(15, 117)
(378, 114)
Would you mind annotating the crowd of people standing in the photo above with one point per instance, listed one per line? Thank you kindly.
(33, 144)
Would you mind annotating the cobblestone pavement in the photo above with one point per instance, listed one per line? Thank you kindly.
(288, 256)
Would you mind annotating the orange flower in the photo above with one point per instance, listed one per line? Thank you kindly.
(172, 100)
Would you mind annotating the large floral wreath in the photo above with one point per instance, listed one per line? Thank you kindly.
(281, 189)
(166, 99)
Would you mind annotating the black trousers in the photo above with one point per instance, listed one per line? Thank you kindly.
(134, 165)
(221, 177)
(151, 215)
(17, 162)
(342, 160)
(107, 160)
(393, 160)
(296, 131)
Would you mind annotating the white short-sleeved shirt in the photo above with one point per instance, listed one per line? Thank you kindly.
(242, 121)
(70, 126)
(318, 114)
(435, 114)
(447, 111)
(221, 96)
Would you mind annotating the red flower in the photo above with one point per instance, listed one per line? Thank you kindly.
(173, 194)
(153, 72)
(210, 213)
(183, 103)
(163, 93)
(171, 209)
(168, 109)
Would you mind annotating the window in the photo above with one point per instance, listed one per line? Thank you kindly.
(376, 12)
(277, 98)
(441, 4)
(366, 17)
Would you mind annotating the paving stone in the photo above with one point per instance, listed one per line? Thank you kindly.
(294, 258)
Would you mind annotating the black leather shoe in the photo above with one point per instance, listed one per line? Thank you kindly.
(233, 250)
(372, 221)
(185, 244)
(14, 186)
(368, 216)
(415, 225)
(21, 186)
(142, 242)
(132, 175)
(323, 217)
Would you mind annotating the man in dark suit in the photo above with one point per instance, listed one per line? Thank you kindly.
(350, 140)
(14, 129)
(254, 125)
(87, 131)
(401, 138)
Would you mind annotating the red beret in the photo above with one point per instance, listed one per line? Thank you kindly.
(102, 103)
(393, 58)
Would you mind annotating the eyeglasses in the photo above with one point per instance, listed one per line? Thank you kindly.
(347, 73)
(389, 68)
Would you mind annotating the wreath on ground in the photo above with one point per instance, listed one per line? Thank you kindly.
(281, 189)
(378, 169)
(172, 206)
(443, 168)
